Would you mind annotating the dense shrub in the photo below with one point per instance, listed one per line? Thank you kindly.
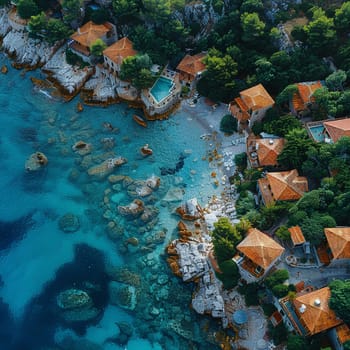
(230, 274)
(228, 124)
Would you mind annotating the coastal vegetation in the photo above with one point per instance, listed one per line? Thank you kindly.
(244, 47)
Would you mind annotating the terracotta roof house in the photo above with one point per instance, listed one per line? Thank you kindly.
(339, 335)
(87, 34)
(302, 99)
(338, 239)
(114, 55)
(263, 151)
(282, 186)
(251, 105)
(335, 129)
(296, 235)
(191, 68)
(313, 312)
(260, 252)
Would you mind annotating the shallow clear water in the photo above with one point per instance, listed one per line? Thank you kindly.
(38, 260)
(161, 88)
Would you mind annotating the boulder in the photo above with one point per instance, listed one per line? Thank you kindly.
(36, 161)
(69, 223)
(133, 210)
(73, 298)
(82, 148)
(122, 295)
(153, 182)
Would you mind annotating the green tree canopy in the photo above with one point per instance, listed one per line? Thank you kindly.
(296, 342)
(27, 8)
(336, 80)
(72, 10)
(218, 80)
(37, 24)
(294, 152)
(320, 32)
(230, 274)
(56, 30)
(125, 8)
(137, 70)
(97, 47)
(342, 17)
(253, 28)
(225, 239)
(252, 6)
(339, 301)
(277, 277)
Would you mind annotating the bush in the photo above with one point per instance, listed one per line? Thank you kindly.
(228, 124)
(241, 161)
(276, 278)
(250, 292)
(230, 274)
(280, 290)
(269, 309)
(283, 233)
(74, 59)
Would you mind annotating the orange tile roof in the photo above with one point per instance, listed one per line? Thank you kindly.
(307, 89)
(314, 313)
(256, 97)
(343, 333)
(121, 49)
(192, 65)
(339, 241)
(297, 102)
(260, 248)
(296, 235)
(90, 32)
(239, 109)
(284, 186)
(337, 128)
(268, 150)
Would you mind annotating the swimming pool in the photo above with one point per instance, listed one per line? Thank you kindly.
(161, 89)
(317, 132)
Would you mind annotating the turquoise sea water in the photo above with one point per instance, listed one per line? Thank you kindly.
(161, 88)
(38, 260)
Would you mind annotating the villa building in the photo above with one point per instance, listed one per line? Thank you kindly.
(163, 96)
(338, 239)
(190, 69)
(251, 106)
(339, 335)
(335, 129)
(263, 152)
(297, 236)
(302, 99)
(309, 313)
(281, 186)
(258, 254)
(114, 55)
(87, 34)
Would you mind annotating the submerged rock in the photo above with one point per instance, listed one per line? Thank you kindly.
(69, 223)
(82, 148)
(122, 295)
(36, 161)
(133, 210)
(73, 298)
(76, 306)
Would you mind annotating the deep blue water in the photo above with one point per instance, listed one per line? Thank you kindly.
(38, 260)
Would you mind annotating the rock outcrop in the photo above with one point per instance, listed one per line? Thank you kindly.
(36, 161)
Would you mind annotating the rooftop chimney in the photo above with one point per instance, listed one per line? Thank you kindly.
(302, 308)
(271, 141)
(317, 302)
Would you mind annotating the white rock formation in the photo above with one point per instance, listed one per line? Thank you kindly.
(69, 77)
